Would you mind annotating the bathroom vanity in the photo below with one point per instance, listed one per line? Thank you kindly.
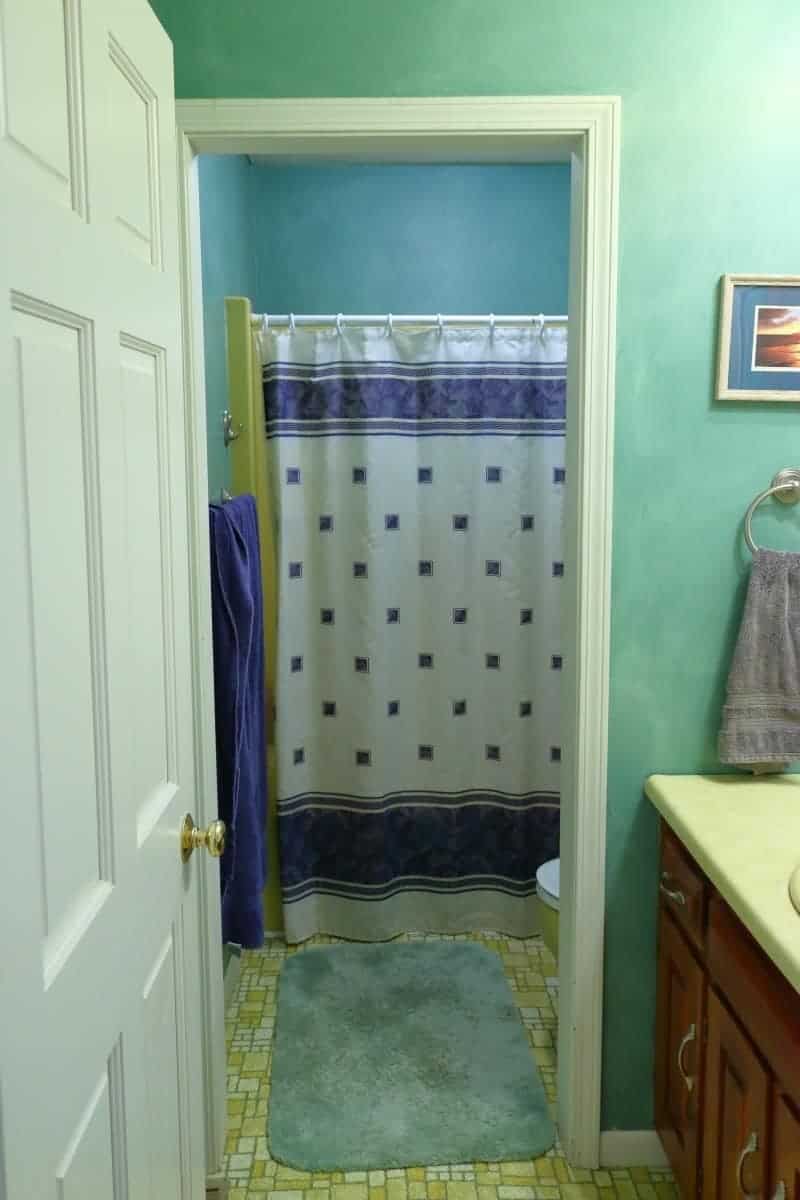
(727, 1071)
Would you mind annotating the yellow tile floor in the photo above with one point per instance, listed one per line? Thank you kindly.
(251, 1172)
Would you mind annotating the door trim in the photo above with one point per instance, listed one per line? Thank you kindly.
(210, 983)
(586, 131)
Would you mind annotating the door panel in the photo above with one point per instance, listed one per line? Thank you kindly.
(152, 679)
(54, 437)
(101, 1084)
(133, 130)
(735, 1116)
(43, 96)
(88, 1165)
(162, 1066)
(679, 1024)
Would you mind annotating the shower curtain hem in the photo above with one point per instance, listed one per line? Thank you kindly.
(412, 912)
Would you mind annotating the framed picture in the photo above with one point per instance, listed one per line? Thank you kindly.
(759, 338)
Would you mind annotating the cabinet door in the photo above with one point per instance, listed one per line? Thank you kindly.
(735, 1111)
(679, 1023)
(785, 1172)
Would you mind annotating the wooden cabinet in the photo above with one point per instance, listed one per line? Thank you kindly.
(735, 1111)
(679, 1022)
(785, 1158)
(727, 1062)
(683, 889)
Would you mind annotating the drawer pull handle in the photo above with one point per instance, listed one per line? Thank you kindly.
(750, 1147)
(780, 1191)
(673, 894)
(689, 1037)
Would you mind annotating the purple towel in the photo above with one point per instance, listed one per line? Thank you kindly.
(238, 626)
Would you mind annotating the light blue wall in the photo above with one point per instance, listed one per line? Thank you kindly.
(377, 238)
(709, 184)
(228, 265)
(364, 238)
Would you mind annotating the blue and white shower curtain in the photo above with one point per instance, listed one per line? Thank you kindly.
(418, 479)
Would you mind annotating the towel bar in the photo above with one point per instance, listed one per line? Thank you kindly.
(785, 487)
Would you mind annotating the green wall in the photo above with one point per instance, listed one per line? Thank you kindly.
(364, 238)
(710, 180)
(228, 267)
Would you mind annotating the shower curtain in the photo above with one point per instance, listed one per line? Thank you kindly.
(417, 481)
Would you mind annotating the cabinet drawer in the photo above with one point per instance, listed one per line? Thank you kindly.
(764, 1001)
(683, 887)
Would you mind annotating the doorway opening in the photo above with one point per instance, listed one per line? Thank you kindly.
(471, 134)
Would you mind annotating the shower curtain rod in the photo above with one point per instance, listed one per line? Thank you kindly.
(267, 320)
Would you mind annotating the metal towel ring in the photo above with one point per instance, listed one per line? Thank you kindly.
(784, 487)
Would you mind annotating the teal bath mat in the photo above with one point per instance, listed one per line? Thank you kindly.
(397, 1055)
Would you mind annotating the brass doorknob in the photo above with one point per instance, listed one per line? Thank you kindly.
(192, 838)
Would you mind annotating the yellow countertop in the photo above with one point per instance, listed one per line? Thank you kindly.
(745, 834)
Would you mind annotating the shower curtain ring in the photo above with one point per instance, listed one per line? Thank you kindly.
(265, 323)
(491, 325)
(292, 326)
(339, 324)
(539, 324)
(439, 324)
(389, 324)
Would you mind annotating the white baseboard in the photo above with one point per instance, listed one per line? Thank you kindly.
(232, 960)
(631, 1148)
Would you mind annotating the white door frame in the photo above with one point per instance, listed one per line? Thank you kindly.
(586, 131)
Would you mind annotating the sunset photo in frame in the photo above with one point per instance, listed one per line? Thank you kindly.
(759, 338)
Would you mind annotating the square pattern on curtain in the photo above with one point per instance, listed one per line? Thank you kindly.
(418, 480)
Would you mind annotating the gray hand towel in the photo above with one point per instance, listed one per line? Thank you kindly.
(761, 716)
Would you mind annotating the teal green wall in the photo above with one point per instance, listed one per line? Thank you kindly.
(228, 266)
(710, 180)
(364, 238)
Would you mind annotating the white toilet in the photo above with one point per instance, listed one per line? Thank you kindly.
(548, 886)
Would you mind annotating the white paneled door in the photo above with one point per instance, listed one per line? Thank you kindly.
(100, 1075)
